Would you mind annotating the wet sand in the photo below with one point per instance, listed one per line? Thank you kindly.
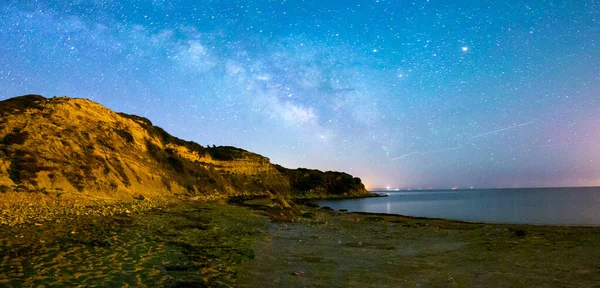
(360, 250)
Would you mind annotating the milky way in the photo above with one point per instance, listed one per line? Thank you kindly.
(410, 94)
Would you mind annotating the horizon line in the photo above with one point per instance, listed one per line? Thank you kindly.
(379, 189)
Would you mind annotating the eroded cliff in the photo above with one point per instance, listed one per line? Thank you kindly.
(70, 145)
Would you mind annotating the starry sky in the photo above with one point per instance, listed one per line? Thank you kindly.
(407, 94)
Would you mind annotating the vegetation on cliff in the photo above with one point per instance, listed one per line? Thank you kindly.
(315, 184)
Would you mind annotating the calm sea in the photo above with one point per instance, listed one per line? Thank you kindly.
(553, 206)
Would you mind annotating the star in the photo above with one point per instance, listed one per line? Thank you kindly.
(321, 75)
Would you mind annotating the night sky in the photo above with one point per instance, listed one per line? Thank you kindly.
(408, 94)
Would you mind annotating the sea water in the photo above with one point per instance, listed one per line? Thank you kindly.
(548, 206)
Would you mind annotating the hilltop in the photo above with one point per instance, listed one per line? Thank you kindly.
(64, 145)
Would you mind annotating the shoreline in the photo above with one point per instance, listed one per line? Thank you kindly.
(467, 222)
(303, 200)
(314, 205)
(34, 208)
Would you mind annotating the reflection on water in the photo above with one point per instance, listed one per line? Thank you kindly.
(556, 206)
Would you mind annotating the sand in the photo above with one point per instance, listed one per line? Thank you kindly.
(199, 243)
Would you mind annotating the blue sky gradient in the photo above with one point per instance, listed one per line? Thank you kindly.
(410, 94)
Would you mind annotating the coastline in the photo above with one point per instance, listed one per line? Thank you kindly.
(303, 200)
(521, 218)
(467, 222)
(24, 209)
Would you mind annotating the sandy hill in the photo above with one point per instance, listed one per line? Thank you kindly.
(69, 145)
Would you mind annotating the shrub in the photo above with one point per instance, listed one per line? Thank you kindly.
(113, 185)
(16, 137)
(124, 134)
(226, 153)
(4, 188)
(20, 103)
(76, 179)
(24, 167)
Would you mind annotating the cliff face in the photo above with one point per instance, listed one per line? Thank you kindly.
(68, 145)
